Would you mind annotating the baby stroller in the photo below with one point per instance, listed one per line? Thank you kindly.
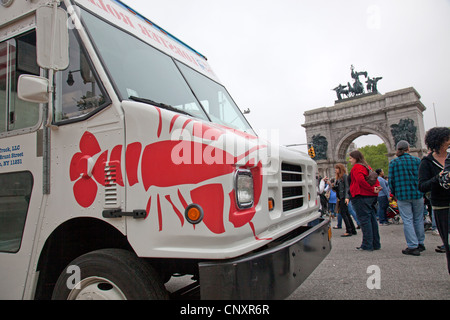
(392, 213)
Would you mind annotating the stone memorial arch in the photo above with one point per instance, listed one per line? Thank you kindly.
(393, 116)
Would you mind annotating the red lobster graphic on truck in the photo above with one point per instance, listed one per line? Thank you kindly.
(172, 163)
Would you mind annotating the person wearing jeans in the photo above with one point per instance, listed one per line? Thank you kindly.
(365, 207)
(404, 185)
(364, 198)
(411, 212)
(383, 198)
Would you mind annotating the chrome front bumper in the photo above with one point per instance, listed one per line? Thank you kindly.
(273, 272)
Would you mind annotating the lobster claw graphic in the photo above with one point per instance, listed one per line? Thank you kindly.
(84, 169)
(87, 171)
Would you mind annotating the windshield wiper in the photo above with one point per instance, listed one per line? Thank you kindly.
(159, 105)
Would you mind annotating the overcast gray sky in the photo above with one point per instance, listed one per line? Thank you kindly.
(282, 58)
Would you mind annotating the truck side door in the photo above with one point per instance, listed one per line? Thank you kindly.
(20, 164)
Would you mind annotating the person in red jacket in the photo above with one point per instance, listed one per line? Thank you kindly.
(364, 198)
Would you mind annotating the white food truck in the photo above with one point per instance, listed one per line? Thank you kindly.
(124, 162)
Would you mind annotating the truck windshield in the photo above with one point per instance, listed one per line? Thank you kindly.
(215, 100)
(139, 70)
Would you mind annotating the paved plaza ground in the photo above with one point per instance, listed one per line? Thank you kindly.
(344, 274)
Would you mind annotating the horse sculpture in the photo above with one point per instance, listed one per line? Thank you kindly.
(357, 88)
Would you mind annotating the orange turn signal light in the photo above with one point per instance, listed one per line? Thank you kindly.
(194, 214)
(271, 204)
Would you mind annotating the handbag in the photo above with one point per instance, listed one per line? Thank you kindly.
(372, 177)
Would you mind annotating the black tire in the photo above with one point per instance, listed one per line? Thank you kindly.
(110, 274)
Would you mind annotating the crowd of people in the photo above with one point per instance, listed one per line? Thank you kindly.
(367, 195)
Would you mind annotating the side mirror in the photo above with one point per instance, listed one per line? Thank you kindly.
(52, 38)
(32, 88)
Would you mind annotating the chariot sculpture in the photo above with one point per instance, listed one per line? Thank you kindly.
(357, 88)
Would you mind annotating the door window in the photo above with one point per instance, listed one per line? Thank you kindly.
(17, 57)
(15, 195)
(78, 92)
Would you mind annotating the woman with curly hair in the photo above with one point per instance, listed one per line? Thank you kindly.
(430, 171)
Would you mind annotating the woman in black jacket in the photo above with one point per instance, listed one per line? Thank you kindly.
(342, 188)
(431, 168)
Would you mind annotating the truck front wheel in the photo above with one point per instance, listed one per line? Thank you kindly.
(109, 274)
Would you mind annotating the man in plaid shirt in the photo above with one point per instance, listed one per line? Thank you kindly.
(404, 185)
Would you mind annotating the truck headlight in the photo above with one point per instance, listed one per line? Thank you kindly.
(244, 189)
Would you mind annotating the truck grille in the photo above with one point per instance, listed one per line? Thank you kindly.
(292, 177)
